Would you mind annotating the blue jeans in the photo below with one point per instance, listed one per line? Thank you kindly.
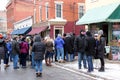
(90, 63)
(82, 56)
(15, 60)
(69, 57)
(33, 62)
(38, 66)
(60, 52)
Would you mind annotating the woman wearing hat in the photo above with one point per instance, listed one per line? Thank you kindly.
(101, 46)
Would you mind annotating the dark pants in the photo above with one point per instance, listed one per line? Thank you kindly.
(6, 58)
(1, 57)
(23, 57)
(90, 63)
(102, 62)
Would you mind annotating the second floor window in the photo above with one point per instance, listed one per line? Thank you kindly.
(40, 8)
(47, 11)
(58, 11)
(81, 11)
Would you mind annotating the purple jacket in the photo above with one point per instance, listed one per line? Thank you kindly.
(24, 47)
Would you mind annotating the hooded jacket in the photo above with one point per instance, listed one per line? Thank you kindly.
(59, 42)
(38, 48)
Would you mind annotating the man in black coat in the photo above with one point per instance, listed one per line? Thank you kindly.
(90, 50)
(79, 46)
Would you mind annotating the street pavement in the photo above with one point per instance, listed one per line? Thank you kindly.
(54, 72)
(112, 69)
(64, 71)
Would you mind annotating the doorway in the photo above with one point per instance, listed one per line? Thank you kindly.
(57, 31)
(105, 30)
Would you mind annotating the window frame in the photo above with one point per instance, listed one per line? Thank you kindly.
(47, 10)
(79, 10)
(61, 12)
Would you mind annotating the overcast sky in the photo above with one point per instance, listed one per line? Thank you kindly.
(3, 4)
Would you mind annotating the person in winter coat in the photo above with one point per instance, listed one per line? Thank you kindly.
(2, 49)
(59, 45)
(39, 50)
(101, 48)
(24, 51)
(79, 46)
(69, 47)
(90, 50)
(49, 51)
(8, 52)
(15, 52)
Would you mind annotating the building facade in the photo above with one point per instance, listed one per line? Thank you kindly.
(49, 16)
(18, 10)
(3, 22)
(90, 4)
(102, 14)
(60, 15)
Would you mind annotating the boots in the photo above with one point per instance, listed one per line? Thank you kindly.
(102, 69)
(6, 65)
(49, 62)
(46, 61)
(38, 74)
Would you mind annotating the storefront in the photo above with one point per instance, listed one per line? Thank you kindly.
(106, 18)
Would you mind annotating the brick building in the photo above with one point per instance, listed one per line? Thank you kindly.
(49, 16)
(18, 10)
(60, 15)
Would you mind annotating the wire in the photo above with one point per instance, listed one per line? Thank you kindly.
(64, 10)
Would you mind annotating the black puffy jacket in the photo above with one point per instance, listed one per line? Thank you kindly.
(38, 48)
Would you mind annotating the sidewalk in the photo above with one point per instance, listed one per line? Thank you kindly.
(112, 69)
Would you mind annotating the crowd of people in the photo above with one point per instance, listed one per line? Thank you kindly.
(62, 49)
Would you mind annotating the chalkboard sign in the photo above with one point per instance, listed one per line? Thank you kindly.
(114, 49)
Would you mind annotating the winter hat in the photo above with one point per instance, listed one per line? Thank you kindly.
(96, 35)
(88, 33)
(1, 36)
(82, 30)
(100, 32)
(59, 35)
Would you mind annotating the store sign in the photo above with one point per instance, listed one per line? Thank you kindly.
(114, 49)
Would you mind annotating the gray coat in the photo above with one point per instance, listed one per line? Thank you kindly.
(38, 48)
(15, 48)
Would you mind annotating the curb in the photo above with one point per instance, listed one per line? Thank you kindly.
(86, 73)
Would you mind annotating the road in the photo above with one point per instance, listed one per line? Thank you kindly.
(49, 73)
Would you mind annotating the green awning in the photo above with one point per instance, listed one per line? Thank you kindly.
(109, 13)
